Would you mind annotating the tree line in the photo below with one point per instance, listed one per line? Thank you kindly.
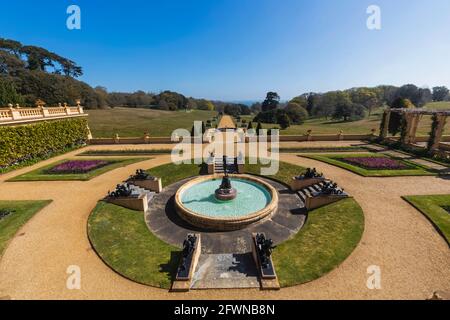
(346, 105)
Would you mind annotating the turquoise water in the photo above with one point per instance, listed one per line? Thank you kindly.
(251, 198)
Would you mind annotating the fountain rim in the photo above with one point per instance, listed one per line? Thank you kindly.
(225, 223)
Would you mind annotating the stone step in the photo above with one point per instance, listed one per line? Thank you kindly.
(225, 271)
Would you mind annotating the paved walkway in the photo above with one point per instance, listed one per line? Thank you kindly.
(226, 122)
(414, 259)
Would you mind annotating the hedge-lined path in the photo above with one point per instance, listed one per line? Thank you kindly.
(414, 259)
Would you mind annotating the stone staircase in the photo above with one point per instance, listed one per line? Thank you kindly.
(308, 191)
(218, 166)
(137, 191)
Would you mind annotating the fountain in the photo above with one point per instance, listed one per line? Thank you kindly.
(225, 192)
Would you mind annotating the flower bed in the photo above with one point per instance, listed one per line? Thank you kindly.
(77, 166)
(376, 163)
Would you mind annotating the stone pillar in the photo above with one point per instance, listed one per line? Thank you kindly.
(385, 127)
(15, 114)
(45, 112)
(409, 117)
(415, 119)
(438, 131)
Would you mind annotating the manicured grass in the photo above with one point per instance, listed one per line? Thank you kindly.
(285, 173)
(171, 173)
(413, 169)
(134, 122)
(441, 105)
(129, 152)
(330, 235)
(42, 175)
(321, 149)
(122, 239)
(433, 207)
(23, 211)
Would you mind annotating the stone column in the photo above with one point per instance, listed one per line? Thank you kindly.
(15, 114)
(386, 120)
(415, 119)
(438, 131)
(409, 119)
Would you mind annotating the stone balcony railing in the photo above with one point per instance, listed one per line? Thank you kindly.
(11, 115)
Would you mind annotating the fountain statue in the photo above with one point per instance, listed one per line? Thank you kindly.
(225, 192)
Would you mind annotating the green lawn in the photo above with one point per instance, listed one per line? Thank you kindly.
(41, 175)
(122, 239)
(121, 153)
(433, 208)
(442, 105)
(285, 173)
(134, 122)
(321, 149)
(22, 212)
(171, 173)
(330, 235)
(334, 159)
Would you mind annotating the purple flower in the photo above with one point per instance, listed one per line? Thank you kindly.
(77, 166)
(376, 163)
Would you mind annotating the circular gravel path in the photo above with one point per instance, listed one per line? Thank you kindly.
(414, 259)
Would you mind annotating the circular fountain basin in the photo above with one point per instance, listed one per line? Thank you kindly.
(197, 204)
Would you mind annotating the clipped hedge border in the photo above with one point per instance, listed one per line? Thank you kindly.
(24, 143)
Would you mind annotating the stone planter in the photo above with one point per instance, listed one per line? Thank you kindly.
(268, 276)
(299, 184)
(154, 185)
(183, 278)
(320, 200)
(139, 203)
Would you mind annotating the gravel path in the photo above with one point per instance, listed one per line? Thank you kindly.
(414, 259)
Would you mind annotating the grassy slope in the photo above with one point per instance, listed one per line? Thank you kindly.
(40, 175)
(170, 173)
(330, 235)
(24, 211)
(416, 170)
(130, 122)
(431, 207)
(285, 173)
(122, 239)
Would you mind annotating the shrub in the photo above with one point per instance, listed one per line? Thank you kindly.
(25, 143)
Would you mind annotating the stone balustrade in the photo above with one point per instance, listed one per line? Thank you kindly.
(13, 115)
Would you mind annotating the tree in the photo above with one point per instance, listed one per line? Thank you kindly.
(283, 119)
(8, 93)
(250, 126)
(440, 93)
(271, 102)
(348, 111)
(401, 103)
(258, 128)
(296, 113)
(396, 119)
(369, 98)
(232, 110)
(203, 104)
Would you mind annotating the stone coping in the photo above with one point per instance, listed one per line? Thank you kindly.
(224, 224)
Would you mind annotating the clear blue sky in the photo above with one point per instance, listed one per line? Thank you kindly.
(240, 49)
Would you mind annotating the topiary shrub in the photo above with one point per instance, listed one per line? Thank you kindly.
(25, 143)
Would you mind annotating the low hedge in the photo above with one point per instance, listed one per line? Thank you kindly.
(22, 144)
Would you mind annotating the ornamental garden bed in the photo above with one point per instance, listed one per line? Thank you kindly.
(374, 165)
(75, 169)
(435, 208)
